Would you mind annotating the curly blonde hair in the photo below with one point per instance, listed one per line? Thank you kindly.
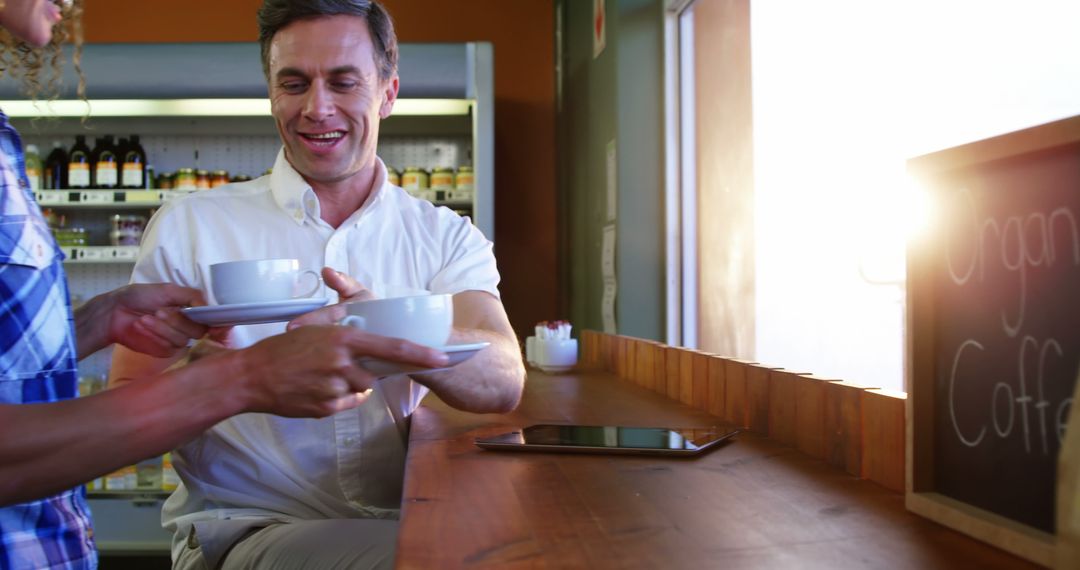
(40, 71)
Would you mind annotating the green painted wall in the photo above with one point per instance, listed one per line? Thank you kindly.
(617, 96)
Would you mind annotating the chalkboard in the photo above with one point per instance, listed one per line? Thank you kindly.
(994, 333)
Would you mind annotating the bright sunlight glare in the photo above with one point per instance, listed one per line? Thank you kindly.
(844, 93)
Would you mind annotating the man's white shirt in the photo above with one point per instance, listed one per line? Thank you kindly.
(260, 467)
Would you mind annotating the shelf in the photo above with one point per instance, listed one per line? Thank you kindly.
(203, 107)
(100, 253)
(106, 198)
(443, 116)
(149, 198)
(448, 198)
(129, 522)
(134, 547)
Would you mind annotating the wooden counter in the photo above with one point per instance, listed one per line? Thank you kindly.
(752, 503)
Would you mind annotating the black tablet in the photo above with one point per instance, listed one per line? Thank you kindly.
(609, 439)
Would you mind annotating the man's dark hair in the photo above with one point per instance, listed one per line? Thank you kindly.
(276, 14)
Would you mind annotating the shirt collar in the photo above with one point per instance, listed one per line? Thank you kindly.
(296, 198)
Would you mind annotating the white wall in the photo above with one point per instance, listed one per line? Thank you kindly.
(844, 92)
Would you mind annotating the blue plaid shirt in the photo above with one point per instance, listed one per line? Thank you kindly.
(37, 364)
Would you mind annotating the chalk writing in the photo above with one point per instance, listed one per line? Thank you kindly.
(1023, 243)
(1029, 397)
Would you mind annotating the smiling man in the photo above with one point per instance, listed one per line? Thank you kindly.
(270, 492)
(329, 88)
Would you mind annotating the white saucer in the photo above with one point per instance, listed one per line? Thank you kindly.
(252, 313)
(458, 353)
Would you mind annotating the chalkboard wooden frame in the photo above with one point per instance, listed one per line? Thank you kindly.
(922, 495)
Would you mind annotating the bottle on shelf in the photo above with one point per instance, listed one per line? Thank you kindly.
(169, 478)
(184, 179)
(120, 149)
(51, 219)
(79, 164)
(123, 479)
(133, 164)
(464, 180)
(56, 167)
(414, 180)
(105, 167)
(33, 166)
(219, 178)
(94, 150)
(148, 474)
(442, 178)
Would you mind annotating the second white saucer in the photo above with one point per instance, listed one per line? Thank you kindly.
(458, 353)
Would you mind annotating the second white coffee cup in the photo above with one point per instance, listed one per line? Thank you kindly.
(261, 281)
(423, 319)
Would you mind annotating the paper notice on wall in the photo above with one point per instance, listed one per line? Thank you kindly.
(607, 272)
(612, 181)
(607, 307)
(607, 253)
(599, 36)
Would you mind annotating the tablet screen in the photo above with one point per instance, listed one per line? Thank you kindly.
(609, 438)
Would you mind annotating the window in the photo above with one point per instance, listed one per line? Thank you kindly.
(843, 92)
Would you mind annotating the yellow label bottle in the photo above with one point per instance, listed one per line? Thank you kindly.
(169, 479)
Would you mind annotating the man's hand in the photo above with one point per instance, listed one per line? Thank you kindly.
(349, 290)
(143, 317)
(312, 371)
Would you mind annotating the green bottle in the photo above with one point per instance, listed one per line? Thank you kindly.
(33, 166)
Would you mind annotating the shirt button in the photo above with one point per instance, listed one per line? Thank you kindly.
(350, 440)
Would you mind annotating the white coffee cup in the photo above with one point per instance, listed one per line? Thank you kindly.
(261, 281)
(423, 319)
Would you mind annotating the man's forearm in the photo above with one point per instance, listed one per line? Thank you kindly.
(490, 382)
(47, 448)
(92, 325)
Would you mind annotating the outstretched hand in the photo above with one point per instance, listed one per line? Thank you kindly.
(147, 318)
(313, 371)
(348, 289)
